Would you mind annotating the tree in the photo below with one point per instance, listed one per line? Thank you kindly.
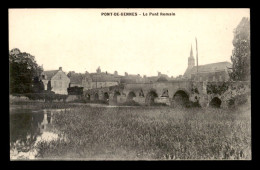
(240, 58)
(23, 71)
(38, 85)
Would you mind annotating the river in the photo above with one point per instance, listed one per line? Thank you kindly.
(28, 127)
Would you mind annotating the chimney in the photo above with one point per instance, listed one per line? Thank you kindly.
(159, 73)
(60, 68)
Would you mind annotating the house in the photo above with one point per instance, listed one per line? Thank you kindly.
(56, 81)
(159, 78)
(131, 78)
(93, 80)
(100, 79)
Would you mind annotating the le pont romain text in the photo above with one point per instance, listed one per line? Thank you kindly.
(137, 14)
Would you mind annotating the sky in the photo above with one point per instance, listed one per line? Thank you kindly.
(82, 39)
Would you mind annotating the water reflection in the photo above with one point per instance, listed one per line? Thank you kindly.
(27, 128)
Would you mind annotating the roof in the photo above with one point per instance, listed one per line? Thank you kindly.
(76, 78)
(132, 76)
(103, 77)
(152, 78)
(50, 73)
(128, 80)
(213, 67)
(162, 79)
(187, 72)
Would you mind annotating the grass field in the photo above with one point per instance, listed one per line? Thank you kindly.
(140, 133)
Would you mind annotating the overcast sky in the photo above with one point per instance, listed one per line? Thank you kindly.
(81, 39)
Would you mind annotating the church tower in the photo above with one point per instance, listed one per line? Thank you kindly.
(191, 64)
(191, 60)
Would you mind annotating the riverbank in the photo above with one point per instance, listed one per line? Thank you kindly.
(41, 105)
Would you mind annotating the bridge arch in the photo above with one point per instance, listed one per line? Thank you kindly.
(87, 96)
(116, 93)
(106, 96)
(215, 102)
(181, 98)
(150, 96)
(96, 97)
(130, 96)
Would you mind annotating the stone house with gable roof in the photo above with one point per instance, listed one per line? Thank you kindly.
(56, 81)
(93, 80)
(100, 79)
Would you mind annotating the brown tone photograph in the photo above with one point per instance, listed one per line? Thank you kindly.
(129, 84)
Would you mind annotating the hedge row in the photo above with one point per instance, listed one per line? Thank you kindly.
(43, 96)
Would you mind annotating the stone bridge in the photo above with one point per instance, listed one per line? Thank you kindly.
(219, 94)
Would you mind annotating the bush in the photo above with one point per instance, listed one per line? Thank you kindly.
(46, 96)
(240, 99)
(217, 88)
(75, 90)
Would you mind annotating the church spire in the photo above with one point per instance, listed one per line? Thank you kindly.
(191, 52)
(191, 60)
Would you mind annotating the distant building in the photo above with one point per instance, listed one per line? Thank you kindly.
(93, 80)
(159, 78)
(131, 78)
(100, 79)
(191, 64)
(208, 72)
(162, 79)
(75, 79)
(179, 77)
(211, 72)
(56, 81)
(151, 79)
(104, 79)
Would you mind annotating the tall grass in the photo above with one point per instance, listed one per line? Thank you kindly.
(138, 133)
